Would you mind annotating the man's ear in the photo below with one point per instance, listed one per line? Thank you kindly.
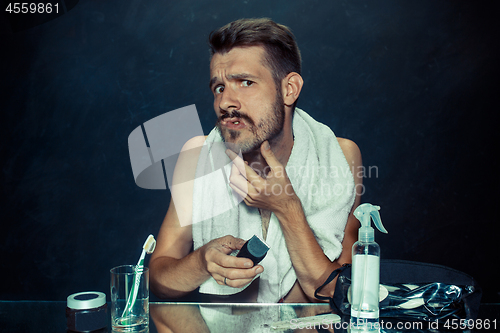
(292, 85)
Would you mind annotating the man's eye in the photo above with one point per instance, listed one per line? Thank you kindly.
(219, 89)
(246, 83)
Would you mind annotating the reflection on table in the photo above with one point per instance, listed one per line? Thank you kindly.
(49, 316)
(224, 317)
(248, 317)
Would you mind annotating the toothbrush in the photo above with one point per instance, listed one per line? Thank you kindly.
(148, 247)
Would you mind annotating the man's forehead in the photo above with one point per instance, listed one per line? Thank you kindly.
(238, 59)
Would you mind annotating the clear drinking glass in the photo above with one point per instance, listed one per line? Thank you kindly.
(123, 279)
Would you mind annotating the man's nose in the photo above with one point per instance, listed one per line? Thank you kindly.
(229, 100)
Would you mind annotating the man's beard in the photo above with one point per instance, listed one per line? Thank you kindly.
(269, 128)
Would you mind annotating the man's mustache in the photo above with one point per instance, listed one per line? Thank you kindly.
(236, 114)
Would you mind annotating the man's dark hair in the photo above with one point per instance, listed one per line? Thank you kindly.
(282, 53)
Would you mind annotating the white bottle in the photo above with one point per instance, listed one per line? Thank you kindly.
(366, 269)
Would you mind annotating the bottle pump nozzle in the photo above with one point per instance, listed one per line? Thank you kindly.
(364, 213)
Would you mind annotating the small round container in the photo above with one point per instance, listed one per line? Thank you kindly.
(86, 311)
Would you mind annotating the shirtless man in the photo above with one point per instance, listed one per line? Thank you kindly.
(256, 86)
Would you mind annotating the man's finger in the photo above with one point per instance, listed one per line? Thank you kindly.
(230, 243)
(238, 191)
(240, 274)
(227, 261)
(235, 274)
(237, 177)
(267, 153)
(245, 170)
(237, 161)
(235, 283)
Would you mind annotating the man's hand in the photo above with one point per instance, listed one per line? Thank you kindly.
(225, 269)
(274, 193)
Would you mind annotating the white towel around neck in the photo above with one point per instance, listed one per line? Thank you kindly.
(322, 179)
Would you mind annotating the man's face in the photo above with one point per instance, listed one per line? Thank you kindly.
(249, 108)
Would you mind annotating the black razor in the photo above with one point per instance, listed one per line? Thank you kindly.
(254, 249)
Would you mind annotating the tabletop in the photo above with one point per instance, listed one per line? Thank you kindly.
(49, 316)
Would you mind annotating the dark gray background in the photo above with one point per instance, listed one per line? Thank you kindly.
(413, 83)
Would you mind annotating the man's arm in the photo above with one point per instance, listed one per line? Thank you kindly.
(310, 263)
(174, 270)
(353, 157)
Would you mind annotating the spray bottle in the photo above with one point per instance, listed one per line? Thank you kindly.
(366, 269)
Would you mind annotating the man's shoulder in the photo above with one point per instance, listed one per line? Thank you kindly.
(347, 144)
(195, 142)
(351, 150)
(185, 168)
